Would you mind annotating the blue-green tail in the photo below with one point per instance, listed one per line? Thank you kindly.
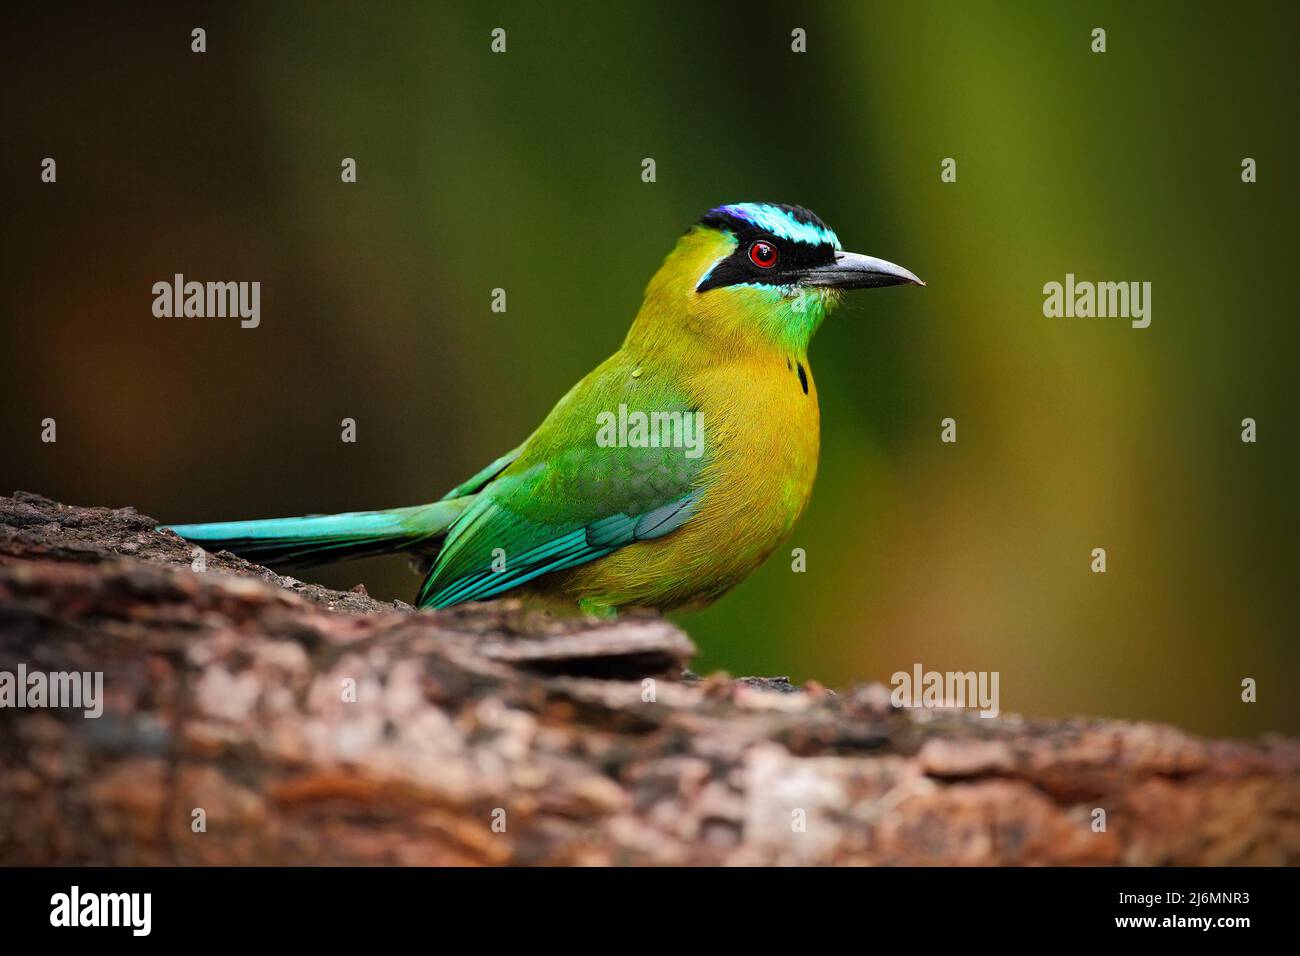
(317, 539)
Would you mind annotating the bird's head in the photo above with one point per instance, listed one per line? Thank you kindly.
(757, 274)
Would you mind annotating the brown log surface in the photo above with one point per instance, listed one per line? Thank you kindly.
(224, 692)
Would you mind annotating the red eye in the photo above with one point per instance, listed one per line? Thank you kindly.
(762, 254)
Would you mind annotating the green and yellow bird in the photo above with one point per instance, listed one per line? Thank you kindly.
(668, 473)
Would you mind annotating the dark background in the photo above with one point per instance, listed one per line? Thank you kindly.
(522, 171)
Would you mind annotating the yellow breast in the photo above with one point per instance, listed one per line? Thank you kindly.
(761, 426)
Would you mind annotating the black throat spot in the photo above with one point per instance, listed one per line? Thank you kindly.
(803, 377)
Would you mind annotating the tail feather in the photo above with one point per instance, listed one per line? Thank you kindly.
(317, 539)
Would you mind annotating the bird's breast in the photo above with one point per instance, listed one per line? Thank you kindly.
(762, 432)
(760, 423)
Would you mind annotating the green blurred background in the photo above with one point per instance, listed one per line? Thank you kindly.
(522, 171)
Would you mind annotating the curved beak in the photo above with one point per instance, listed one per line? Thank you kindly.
(853, 271)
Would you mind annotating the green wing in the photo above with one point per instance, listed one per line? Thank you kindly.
(480, 479)
(569, 496)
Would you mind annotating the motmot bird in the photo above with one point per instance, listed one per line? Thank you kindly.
(667, 474)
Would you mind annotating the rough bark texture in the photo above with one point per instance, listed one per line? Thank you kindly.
(493, 735)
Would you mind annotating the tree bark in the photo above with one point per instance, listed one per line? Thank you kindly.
(249, 718)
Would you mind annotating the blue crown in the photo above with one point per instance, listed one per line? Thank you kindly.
(788, 222)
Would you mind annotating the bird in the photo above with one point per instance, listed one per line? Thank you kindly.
(664, 477)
